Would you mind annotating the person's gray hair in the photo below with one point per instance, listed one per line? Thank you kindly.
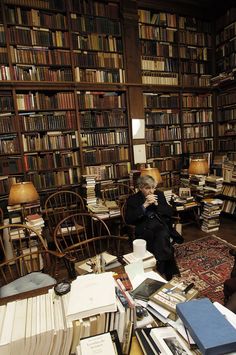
(146, 180)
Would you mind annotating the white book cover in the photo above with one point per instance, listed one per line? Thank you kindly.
(91, 294)
(99, 345)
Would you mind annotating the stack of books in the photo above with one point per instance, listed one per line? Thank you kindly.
(197, 182)
(88, 184)
(149, 260)
(99, 209)
(214, 183)
(35, 221)
(210, 215)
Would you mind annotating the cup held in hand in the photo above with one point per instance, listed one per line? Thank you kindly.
(139, 248)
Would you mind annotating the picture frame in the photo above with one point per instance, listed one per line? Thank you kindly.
(138, 128)
(184, 192)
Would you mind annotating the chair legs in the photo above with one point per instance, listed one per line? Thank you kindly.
(70, 266)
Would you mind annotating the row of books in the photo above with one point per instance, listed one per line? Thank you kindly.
(46, 121)
(157, 33)
(109, 171)
(105, 138)
(195, 38)
(38, 37)
(163, 133)
(95, 8)
(160, 117)
(194, 100)
(103, 25)
(156, 49)
(227, 144)
(92, 60)
(160, 64)
(198, 116)
(157, 18)
(156, 78)
(100, 100)
(39, 55)
(166, 164)
(195, 53)
(102, 155)
(106, 118)
(50, 140)
(192, 132)
(65, 177)
(198, 145)
(195, 67)
(112, 75)
(33, 17)
(164, 149)
(97, 42)
(39, 100)
(34, 73)
(52, 160)
(229, 206)
(196, 80)
(226, 114)
(168, 101)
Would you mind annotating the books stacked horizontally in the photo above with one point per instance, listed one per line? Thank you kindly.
(214, 183)
(104, 261)
(88, 183)
(169, 295)
(114, 209)
(35, 221)
(211, 214)
(149, 260)
(99, 209)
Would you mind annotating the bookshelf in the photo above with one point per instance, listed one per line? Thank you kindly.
(163, 133)
(197, 119)
(59, 63)
(104, 133)
(195, 51)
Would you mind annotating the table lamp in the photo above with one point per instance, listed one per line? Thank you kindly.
(198, 167)
(22, 193)
(153, 172)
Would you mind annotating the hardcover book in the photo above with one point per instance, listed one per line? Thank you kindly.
(211, 331)
(172, 293)
(146, 289)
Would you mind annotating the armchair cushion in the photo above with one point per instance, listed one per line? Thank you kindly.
(29, 282)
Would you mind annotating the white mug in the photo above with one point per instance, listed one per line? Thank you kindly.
(139, 248)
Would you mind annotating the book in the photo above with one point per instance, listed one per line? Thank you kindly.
(168, 341)
(172, 293)
(146, 289)
(148, 345)
(210, 330)
(101, 344)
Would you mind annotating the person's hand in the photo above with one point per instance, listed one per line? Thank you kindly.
(150, 200)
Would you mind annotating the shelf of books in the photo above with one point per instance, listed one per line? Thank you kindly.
(97, 42)
(104, 133)
(226, 44)
(195, 51)
(49, 136)
(197, 119)
(38, 42)
(163, 133)
(226, 110)
(159, 47)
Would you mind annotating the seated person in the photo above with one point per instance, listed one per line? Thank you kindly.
(149, 211)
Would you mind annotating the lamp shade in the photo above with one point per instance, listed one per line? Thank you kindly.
(198, 167)
(22, 192)
(153, 172)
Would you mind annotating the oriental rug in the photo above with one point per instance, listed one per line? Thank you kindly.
(205, 262)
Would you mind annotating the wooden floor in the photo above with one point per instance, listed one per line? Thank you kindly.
(227, 230)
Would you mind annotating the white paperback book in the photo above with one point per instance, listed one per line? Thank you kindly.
(91, 294)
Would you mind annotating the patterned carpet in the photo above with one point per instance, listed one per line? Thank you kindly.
(207, 263)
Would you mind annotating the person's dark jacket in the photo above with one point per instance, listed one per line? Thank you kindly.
(140, 217)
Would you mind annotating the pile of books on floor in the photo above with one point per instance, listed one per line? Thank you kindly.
(211, 214)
